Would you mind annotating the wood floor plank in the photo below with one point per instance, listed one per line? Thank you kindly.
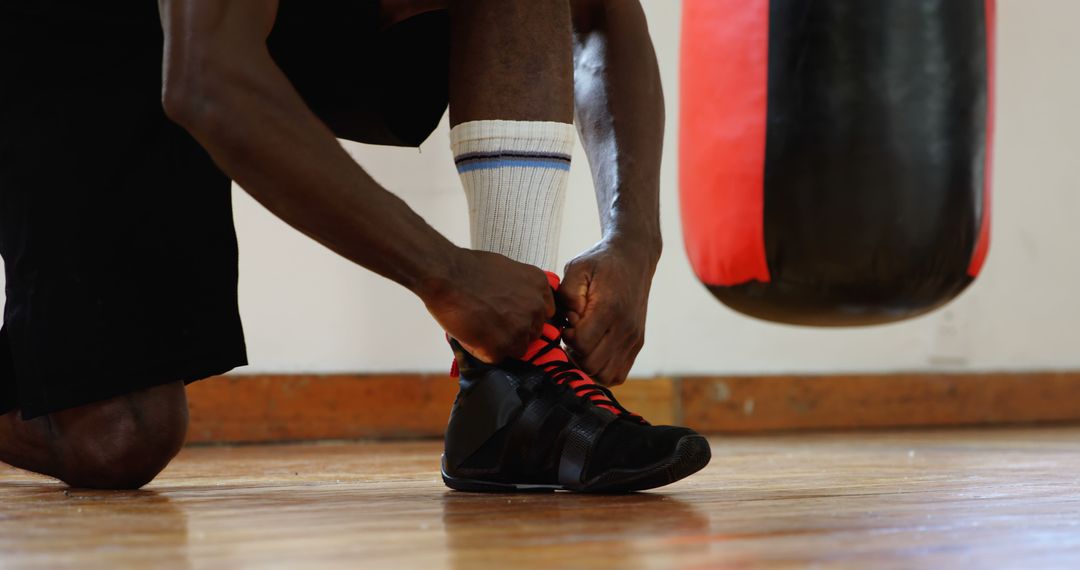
(991, 498)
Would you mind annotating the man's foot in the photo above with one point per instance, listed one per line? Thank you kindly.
(541, 424)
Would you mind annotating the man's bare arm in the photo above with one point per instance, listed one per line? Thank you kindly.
(221, 84)
(620, 115)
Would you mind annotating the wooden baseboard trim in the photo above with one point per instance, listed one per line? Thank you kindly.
(771, 403)
(264, 408)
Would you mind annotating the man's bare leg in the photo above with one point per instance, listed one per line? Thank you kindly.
(553, 428)
(511, 60)
(511, 109)
(121, 443)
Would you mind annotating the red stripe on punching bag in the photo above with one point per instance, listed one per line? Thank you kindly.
(982, 245)
(723, 106)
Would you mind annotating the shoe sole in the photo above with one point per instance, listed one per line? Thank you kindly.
(692, 453)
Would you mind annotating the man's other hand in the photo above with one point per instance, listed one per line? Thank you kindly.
(605, 292)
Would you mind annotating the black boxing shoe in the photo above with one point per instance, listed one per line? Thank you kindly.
(541, 424)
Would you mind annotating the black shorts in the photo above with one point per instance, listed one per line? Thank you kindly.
(116, 227)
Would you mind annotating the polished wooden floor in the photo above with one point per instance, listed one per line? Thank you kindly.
(1002, 498)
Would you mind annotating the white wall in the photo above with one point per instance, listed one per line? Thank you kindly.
(305, 309)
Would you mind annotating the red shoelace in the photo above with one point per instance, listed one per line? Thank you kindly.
(547, 353)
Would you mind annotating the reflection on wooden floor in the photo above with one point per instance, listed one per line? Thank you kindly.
(978, 498)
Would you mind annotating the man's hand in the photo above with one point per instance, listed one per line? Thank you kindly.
(619, 110)
(605, 292)
(492, 305)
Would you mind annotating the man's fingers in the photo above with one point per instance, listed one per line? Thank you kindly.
(513, 345)
(609, 362)
(597, 359)
(549, 303)
(588, 332)
(615, 371)
(479, 353)
(573, 292)
(582, 361)
(537, 328)
(614, 374)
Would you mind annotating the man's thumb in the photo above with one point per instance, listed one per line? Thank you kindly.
(573, 292)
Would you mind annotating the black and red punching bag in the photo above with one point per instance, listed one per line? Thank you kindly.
(835, 155)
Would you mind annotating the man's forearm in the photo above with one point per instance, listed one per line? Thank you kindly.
(282, 155)
(620, 114)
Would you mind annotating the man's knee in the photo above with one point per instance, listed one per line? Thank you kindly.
(122, 443)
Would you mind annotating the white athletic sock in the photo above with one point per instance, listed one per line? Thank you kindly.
(515, 174)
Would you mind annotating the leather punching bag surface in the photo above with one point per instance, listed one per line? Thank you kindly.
(834, 155)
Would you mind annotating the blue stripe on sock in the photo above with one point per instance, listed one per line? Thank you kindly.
(508, 163)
